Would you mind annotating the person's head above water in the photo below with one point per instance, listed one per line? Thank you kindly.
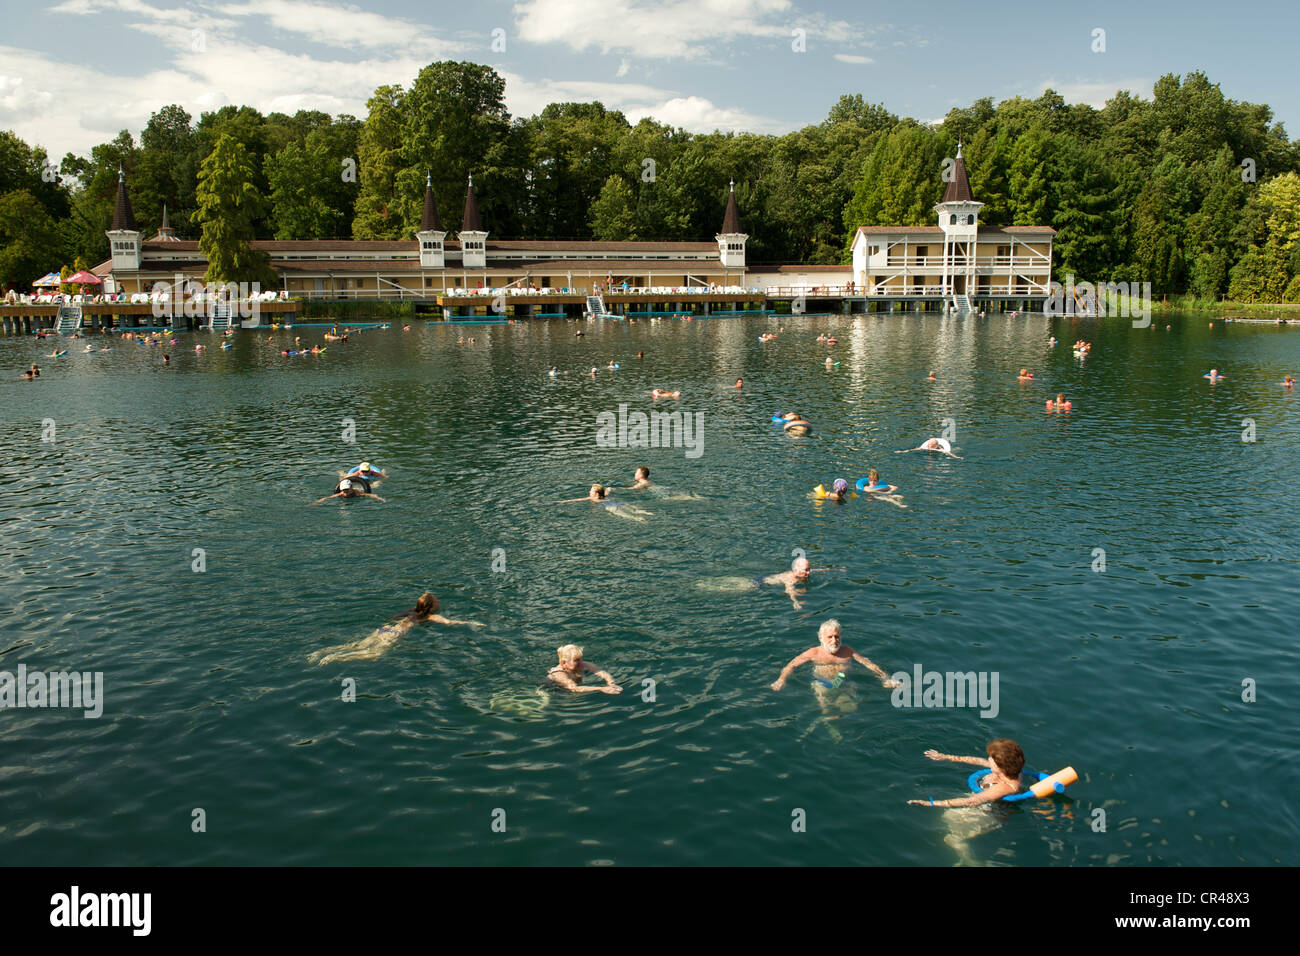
(840, 486)
(873, 477)
(642, 473)
(829, 635)
(597, 491)
(1008, 756)
(570, 656)
(426, 606)
(801, 567)
(1060, 398)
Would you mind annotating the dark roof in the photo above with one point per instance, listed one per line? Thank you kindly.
(731, 219)
(429, 222)
(589, 245)
(123, 218)
(959, 186)
(471, 221)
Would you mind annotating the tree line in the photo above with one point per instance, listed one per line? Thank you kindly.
(1189, 190)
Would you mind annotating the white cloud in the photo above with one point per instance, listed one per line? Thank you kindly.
(673, 29)
(526, 97)
(341, 26)
(1096, 94)
(853, 58)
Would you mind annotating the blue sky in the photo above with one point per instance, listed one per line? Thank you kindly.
(74, 72)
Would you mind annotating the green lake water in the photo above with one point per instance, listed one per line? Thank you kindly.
(1133, 675)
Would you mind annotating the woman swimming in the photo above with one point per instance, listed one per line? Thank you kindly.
(379, 641)
(932, 444)
(600, 495)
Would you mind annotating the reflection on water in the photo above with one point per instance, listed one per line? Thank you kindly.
(1134, 675)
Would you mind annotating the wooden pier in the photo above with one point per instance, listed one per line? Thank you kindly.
(96, 316)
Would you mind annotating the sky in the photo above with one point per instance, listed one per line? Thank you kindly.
(75, 72)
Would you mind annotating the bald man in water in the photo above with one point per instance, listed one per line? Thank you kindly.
(800, 571)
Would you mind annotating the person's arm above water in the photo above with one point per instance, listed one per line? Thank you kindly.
(610, 687)
(790, 585)
(789, 668)
(439, 619)
(976, 761)
(995, 792)
(328, 497)
(366, 494)
(869, 665)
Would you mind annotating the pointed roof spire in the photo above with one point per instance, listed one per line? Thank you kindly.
(731, 219)
(165, 232)
(959, 186)
(471, 222)
(123, 218)
(429, 221)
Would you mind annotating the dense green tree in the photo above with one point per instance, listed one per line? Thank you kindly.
(379, 155)
(229, 205)
(31, 240)
(613, 214)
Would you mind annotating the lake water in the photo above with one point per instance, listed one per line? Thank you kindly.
(1133, 675)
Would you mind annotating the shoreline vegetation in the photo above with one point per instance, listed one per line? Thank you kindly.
(1186, 189)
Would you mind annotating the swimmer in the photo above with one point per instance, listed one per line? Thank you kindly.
(640, 354)
(830, 362)
(34, 369)
(795, 423)
(425, 611)
(569, 672)
(932, 444)
(27, 376)
(839, 491)
(1051, 339)
(1214, 375)
(406, 328)
(932, 378)
(641, 482)
(800, 571)
(660, 393)
(1025, 375)
(364, 470)
(740, 383)
(1060, 403)
(167, 359)
(1005, 762)
(875, 485)
(1288, 382)
(346, 489)
(553, 372)
(830, 660)
(640, 479)
(600, 495)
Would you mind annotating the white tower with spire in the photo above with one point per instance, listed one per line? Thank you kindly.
(431, 234)
(731, 241)
(472, 235)
(124, 234)
(959, 220)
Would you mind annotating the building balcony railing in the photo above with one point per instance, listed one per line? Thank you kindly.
(959, 263)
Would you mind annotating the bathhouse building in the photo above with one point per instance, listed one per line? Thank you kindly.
(958, 260)
(435, 263)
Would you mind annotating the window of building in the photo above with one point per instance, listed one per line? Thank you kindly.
(922, 251)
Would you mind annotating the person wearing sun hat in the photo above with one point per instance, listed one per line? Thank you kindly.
(351, 488)
(367, 472)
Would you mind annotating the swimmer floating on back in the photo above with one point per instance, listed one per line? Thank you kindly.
(932, 444)
(425, 611)
(569, 672)
(1005, 762)
(830, 660)
(600, 495)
